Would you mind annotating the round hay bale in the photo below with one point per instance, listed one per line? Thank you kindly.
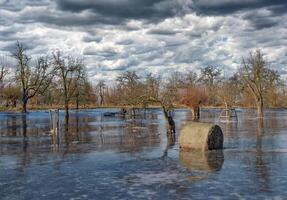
(204, 136)
(202, 160)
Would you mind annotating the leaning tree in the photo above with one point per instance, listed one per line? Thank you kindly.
(34, 78)
(258, 78)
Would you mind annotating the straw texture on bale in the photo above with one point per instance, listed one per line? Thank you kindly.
(203, 136)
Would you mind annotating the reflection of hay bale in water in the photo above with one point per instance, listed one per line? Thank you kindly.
(203, 161)
(202, 136)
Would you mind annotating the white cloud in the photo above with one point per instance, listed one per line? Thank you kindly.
(181, 42)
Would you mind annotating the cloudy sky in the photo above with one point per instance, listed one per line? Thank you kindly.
(156, 36)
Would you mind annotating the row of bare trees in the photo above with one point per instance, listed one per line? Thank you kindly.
(48, 77)
(60, 79)
(253, 85)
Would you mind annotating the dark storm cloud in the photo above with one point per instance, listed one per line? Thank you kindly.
(91, 38)
(125, 42)
(8, 35)
(65, 19)
(126, 9)
(251, 10)
(224, 7)
(162, 32)
(29, 43)
(107, 54)
(147, 35)
(9, 47)
(18, 5)
(259, 22)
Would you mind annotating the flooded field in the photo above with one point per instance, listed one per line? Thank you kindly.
(109, 157)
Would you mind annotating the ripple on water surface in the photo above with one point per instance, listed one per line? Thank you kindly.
(98, 156)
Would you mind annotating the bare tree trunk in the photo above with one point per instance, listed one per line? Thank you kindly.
(259, 105)
(195, 112)
(77, 103)
(24, 105)
(66, 126)
(67, 109)
(170, 121)
(102, 99)
(226, 105)
(14, 103)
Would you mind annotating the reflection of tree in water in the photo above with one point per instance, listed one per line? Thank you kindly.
(103, 132)
(25, 155)
(77, 126)
(67, 133)
(262, 174)
(14, 125)
(171, 139)
(24, 126)
(135, 135)
(28, 148)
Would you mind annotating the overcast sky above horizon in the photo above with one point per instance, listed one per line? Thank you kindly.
(157, 36)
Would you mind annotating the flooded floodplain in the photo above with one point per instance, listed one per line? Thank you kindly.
(99, 156)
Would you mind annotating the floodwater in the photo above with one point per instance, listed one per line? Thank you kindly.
(110, 157)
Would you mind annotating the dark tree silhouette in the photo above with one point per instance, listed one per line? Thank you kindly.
(34, 79)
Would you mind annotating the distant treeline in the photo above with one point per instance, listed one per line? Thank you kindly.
(60, 80)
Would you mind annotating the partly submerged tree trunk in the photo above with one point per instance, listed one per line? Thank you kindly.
(195, 112)
(77, 103)
(198, 112)
(66, 127)
(101, 99)
(259, 105)
(170, 121)
(24, 104)
(67, 109)
(14, 103)
(258, 100)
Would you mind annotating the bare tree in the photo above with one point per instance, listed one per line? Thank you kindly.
(3, 68)
(69, 71)
(11, 94)
(229, 90)
(34, 79)
(210, 76)
(84, 92)
(3, 73)
(193, 97)
(134, 91)
(162, 93)
(130, 89)
(191, 79)
(100, 87)
(152, 86)
(258, 78)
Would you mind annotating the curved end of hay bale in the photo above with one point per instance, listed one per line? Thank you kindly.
(202, 136)
(215, 138)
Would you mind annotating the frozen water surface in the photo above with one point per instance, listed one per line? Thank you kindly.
(109, 157)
